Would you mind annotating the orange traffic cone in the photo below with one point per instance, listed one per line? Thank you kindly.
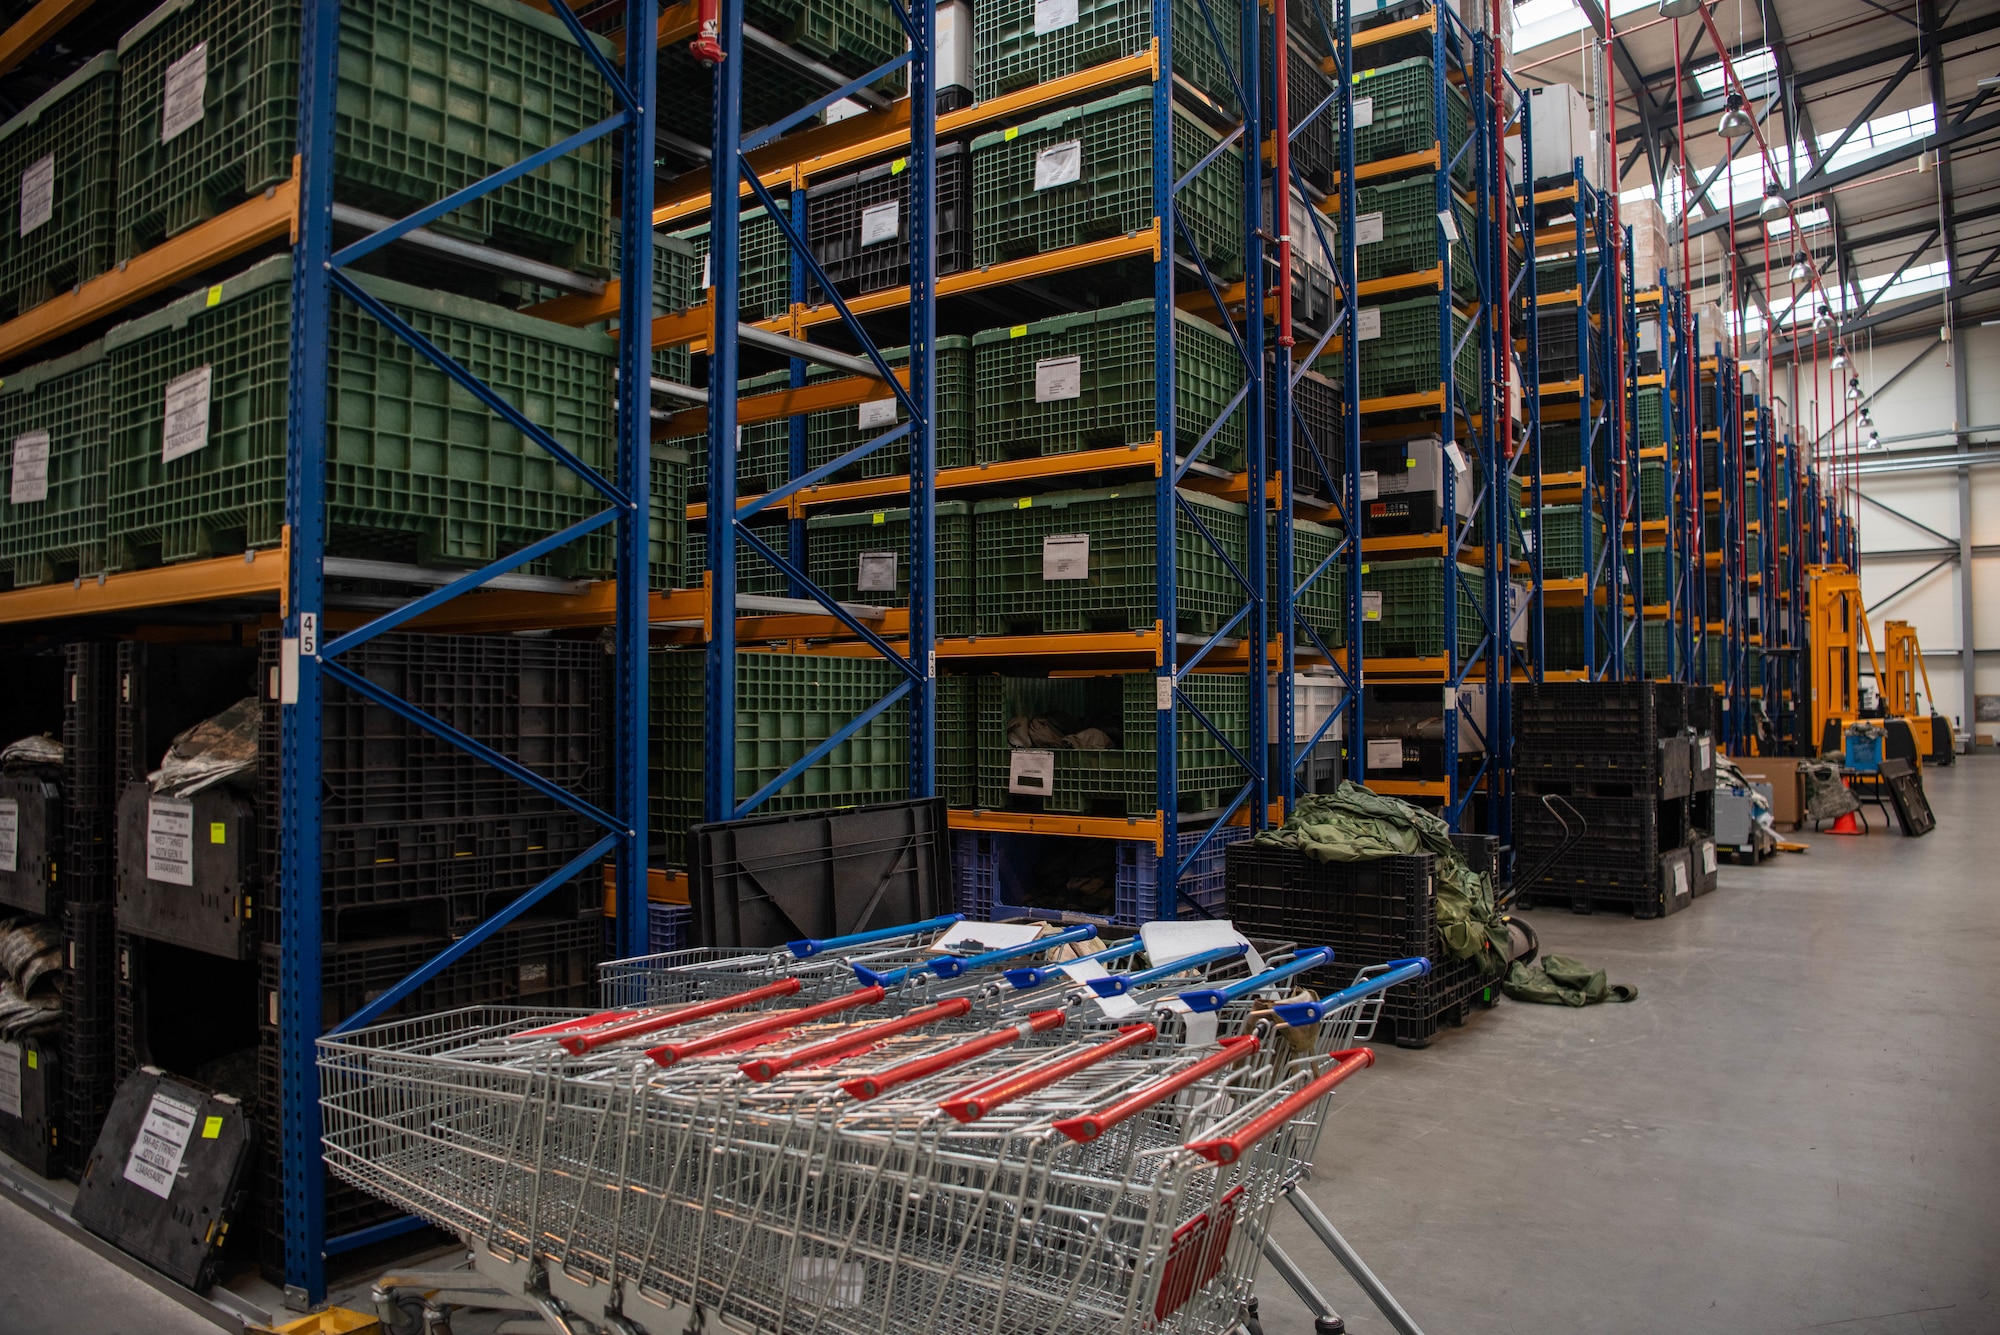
(1847, 825)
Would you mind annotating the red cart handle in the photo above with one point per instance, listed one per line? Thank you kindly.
(669, 1053)
(1090, 1126)
(975, 1101)
(868, 1086)
(770, 1068)
(1228, 1149)
(578, 1044)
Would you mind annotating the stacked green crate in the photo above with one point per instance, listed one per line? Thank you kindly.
(1717, 667)
(1657, 644)
(1400, 106)
(763, 265)
(1753, 551)
(54, 423)
(1323, 605)
(1652, 431)
(1562, 638)
(1396, 232)
(865, 558)
(754, 574)
(1562, 447)
(834, 431)
(417, 468)
(1558, 273)
(1120, 779)
(1085, 382)
(1405, 354)
(1753, 665)
(59, 188)
(432, 96)
(1019, 44)
(1653, 575)
(763, 449)
(675, 266)
(1076, 561)
(1086, 173)
(1652, 490)
(1512, 512)
(957, 745)
(1562, 541)
(1403, 608)
(786, 705)
(666, 520)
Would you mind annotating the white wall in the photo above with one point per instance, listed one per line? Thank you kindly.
(1922, 400)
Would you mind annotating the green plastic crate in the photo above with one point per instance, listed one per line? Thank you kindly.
(1114, 404)
(1406, 357)
(1562, 639)
(74, 129)
(763, 449)
(763, 265)
(1513, 510)
(834, 431)
(786, 704)
(432, 96)
(1411, 232)
(1717, 668)
(834, 544)
(753, 573)
(1562, 447)
(675, 267)
(1411, 614)
(417, 469)
(1120, 592)
(1014, 46)
(1558, 273)
(1562, 541)
(957, 744)
(1112, 193)
(1652, 567)
(1403, 116)
(1652, 431)
(1652, 490)
(1124, 779)
(666, 520)
(1323, 605)
(60, 536)
(1656, 649)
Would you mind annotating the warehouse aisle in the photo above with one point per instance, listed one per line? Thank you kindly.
(1794, 1128)
(54, 1285)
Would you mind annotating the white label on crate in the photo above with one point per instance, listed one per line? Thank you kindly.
(1059, 164)
(875, 572)
(10, 834)
(187, 85)
(704, 272)
(1113, 1007)
(973, 938)
(1707, 753)
(30, 482)
(1367, 228)
(10, 1079)
(1163, 691)
(1385, 755)
(1066, 556)
(170, 840)
(828, 1281)
(1032, 772)
(1451, 697)
(1368, 323)
(1707, 856)
(288, 672)
(1371, 605)
(1364, 112)
(1457, 457)
(156, 1152)
(1449, 224)
(1371, 484)
(877, 412)
(1680, 880)
(883, 222)
(1054, 16)
(38, 194)
(185, 428)
(1528, 541)
(1058, 378)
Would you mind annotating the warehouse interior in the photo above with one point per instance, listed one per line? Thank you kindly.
(1132, 666)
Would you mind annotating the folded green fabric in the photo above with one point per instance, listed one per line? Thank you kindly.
(1558, 980)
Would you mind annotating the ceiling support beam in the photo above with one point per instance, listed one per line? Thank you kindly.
(1927, 28)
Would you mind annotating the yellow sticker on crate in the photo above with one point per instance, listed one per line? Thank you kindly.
(1024, 502)
(34, 1060)
(215, 295)
(896, 167)
(1013, 132)
(218, 832)
(211, 1129)
(1018, 331)
(1364, 567)
(881, 517)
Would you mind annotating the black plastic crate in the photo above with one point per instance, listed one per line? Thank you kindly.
(1369, 913)
(1307, 86)
(1557, 348)
(182, 1009)
(37, 835)
(859, 224)
(31, 1132)
(165, 689)
(188, 868)
(1604, 717)
(89, 1034)
(90, 790)
(1318, 416)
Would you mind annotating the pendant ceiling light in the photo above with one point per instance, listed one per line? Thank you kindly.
(1735, 122)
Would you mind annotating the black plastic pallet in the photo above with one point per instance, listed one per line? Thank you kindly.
(864, 247)
(90, 790)
(89, 1034)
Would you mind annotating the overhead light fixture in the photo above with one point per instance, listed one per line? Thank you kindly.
(1853, 388)
(1989, 83)
(1679, 9)
(1867, 417)
(1823, 321)
(1735, 122)
(1840, 358)
(1800, 270)
(1874, 441)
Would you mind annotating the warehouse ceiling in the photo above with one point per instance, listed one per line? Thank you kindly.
(1880, 137)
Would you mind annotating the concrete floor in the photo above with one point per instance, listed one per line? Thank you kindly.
(1795, 1128)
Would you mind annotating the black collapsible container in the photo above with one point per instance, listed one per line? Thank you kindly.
(90, 787)
(168, 1175)
(187, 868)
(864, 247)
(33, 806)
(31, 1121)
(89, 1033)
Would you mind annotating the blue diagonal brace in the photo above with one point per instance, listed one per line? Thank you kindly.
(753, 142)
(824, 471)
(619, 89)
(798, 577)
(824, 749)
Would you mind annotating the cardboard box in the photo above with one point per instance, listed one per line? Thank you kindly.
(1787, 792)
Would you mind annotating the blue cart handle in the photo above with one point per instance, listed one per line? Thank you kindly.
(1204, 999)
(1118, 984)
(1303, 1014)
(811, 946)
(951, 966)
(1030, 976)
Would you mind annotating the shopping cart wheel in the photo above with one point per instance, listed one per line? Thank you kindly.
(437, 1320)
(1250, 1321)
(1329, 1325)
